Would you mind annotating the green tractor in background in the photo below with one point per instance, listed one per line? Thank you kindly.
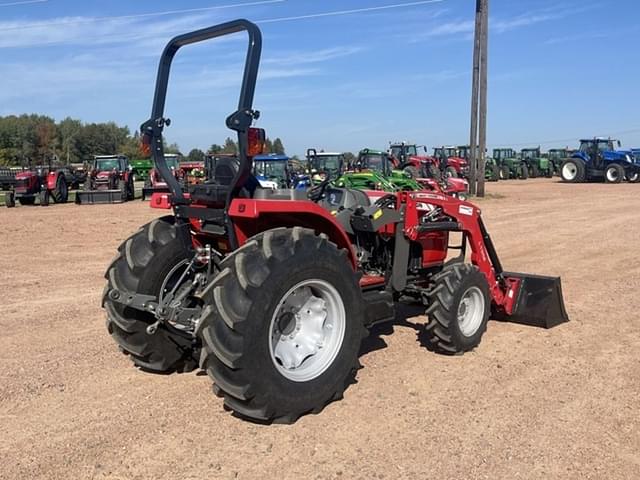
(510, 165)
(491, 168)
(141, 168)
(537, 165)
(373, 170)
(556, 156)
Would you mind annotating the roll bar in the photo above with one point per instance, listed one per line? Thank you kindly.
(240, 120)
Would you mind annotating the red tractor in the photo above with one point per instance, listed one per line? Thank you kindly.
(272, 291)
(452, 164)
(43, 183)
(407, 158)
(155, 183)
(110, 180)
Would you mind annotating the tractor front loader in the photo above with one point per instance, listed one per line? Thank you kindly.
(110, 180)
(271, 291)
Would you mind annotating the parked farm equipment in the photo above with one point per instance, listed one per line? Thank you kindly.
(415, 165)
(155, 183)
(557, 156)
(491, 169)
(320, 164)
(537, 165)
(271, 291)
(452, 162)
(141, 169)
(42, 183)
(109, 181)
(272, 171)
(510, 165)
(597, 160)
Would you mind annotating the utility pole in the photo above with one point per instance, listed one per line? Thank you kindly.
(478, 133)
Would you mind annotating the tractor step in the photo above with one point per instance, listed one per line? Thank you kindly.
(379, 307)
(92, 197)
(539, 302)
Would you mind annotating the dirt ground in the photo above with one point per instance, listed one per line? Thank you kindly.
(528, 403)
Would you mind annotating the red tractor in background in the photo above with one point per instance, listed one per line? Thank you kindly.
(406, 156)
(155, 183)
(192, 173)
(110, 180)
(43, 183)
(272, 291)
(452, 164)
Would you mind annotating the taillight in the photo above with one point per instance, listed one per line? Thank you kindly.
(256, 138)
(145, 145)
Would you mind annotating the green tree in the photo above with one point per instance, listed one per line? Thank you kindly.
(278, 147)
(230, 146)
(196, 155)
(268, 145)
(215, 148)
(172, 148)
(68, 132)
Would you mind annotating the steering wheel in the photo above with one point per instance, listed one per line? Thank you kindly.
(316, 192)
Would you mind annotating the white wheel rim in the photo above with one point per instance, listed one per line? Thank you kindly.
(569, 171)
(471, 311)
(612, 174)
(307, 330)
(633, 177)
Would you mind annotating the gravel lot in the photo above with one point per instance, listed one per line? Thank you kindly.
(528, 403)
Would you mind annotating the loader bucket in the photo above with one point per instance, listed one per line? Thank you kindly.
(539, 301)
(84, 197)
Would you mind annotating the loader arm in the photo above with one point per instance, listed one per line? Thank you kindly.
(517, 297)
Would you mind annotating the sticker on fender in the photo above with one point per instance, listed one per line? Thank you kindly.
(464, 210)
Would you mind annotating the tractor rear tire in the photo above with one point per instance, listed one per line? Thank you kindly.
(26, 200)
(459, 309)
(614, 173)
(255, 321)
(143, 264)
(523, 172)
(573, 170)
(533, 171)
(412, 171)
(549, 172)
(61, 193)
(10, 199)
(505, 172)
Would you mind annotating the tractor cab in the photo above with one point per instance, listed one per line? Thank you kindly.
(408, 158)
(322, 164)
(377, 160)
(272, 171)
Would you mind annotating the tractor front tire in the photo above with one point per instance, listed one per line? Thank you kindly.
(44, 197)
(61, 193)
(459, 309)
(495, 173)
(573, 170)
(505, 172)
(523, 172)
(533, 171)
(143, 264)
(633, 178)
(614, 173)
(282, 326)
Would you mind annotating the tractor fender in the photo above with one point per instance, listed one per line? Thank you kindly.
(251, 217)
(52, 179)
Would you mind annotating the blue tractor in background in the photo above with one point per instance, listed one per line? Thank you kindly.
(272, 171)
(596, 160)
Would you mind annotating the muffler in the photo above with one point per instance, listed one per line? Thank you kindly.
(539, 301)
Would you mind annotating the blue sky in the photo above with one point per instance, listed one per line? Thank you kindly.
(558, 70)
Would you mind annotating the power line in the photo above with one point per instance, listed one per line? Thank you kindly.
(347, 12)
(84, 20)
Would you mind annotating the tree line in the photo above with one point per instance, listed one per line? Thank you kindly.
(36, 139)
